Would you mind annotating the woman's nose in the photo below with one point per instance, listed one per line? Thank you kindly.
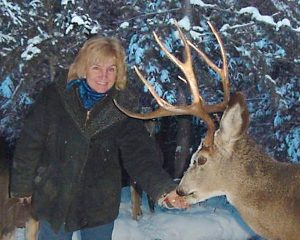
(101, 74)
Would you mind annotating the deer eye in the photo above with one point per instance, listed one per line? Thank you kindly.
(201, 160)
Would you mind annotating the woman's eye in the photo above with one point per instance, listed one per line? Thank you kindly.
(112, 70)
(95, 67)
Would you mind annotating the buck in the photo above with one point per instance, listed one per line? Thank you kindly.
(228, 162)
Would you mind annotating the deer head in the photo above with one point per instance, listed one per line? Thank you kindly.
(210, 171)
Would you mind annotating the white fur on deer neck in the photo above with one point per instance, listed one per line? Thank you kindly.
(195, 155)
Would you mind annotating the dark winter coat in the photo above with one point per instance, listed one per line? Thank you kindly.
(70, 161)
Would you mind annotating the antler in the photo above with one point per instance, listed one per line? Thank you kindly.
(197, 107)
(223, 72)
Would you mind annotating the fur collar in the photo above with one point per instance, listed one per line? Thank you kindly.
(104, 113)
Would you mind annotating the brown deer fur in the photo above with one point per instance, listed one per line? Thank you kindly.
(265, 192)
(12, 214)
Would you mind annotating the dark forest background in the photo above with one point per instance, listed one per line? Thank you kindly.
(262, 38)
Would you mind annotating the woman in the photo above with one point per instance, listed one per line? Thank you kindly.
(68, 160)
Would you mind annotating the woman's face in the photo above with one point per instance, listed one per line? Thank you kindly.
(102, 76)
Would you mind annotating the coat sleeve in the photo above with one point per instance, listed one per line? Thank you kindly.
(29, 149)
(141, 159)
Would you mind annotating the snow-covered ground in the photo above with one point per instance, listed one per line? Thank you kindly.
(214, 219)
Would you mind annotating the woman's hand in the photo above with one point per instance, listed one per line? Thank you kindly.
(173, 200)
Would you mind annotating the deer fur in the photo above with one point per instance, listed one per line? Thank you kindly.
(266, 192)
(14, 215)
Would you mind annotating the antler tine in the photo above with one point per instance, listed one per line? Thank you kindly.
(165, 109)
(160, 112)
(186, 67)
(223, 72)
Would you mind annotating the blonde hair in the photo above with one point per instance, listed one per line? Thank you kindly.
(98, 49)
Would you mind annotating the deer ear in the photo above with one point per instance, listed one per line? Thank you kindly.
(235, 119)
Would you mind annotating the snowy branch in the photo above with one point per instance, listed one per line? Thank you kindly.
(150, 14)
(255, 14)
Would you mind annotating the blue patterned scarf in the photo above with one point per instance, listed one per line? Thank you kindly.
(87, 95)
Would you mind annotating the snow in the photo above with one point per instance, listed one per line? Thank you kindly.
(270, 79)
(185, 23)
(255, 14)
(95, 29)
(214, 219)
(226, 27)
(293, 142)
(30, 52)
(164, 75)
(137, 53)
(6, 87)
(65, 2)
(195, 35)
(69, 28)
(284, 22)
(13, 11)
(202, 4)
(124, 25)
(77, 19)
(178, 149)
(6, 38)
(278, 120)
(243, 51)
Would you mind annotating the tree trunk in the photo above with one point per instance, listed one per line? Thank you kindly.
(183, 141)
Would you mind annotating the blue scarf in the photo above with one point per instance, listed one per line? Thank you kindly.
(87, 95)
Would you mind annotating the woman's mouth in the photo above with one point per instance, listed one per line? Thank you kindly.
(101, 83)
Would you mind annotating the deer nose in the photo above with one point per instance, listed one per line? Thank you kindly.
(180, 192)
